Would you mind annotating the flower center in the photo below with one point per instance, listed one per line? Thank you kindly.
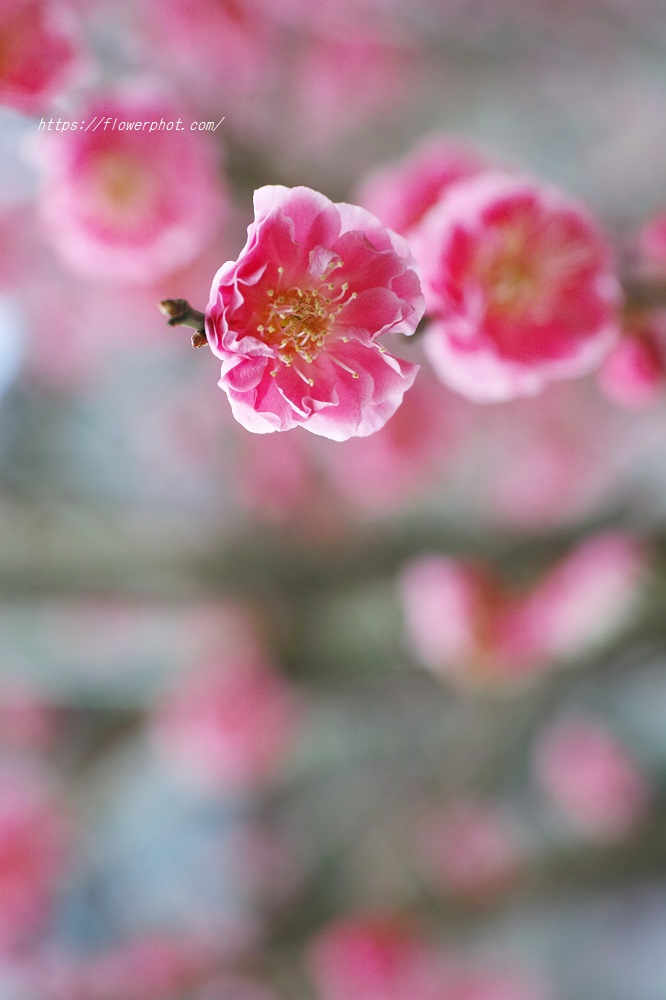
(297, 322)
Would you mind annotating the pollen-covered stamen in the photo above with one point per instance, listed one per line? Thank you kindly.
(297, 321)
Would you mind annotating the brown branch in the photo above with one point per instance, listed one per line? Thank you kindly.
(181, 313)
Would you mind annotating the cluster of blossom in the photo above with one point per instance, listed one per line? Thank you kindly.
(519, 282)
(466, 625)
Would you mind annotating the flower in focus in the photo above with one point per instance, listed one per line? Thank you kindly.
(374, 958)
(128, 205)
(402, 193)
(33, 840)
(38, 53)
(227, 724)
(296, 318)
(521, 286)
(591, 777)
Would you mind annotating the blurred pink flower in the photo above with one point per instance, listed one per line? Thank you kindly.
(26, 721)
(401, 193)
(591, 777)
(470, 848)
(339, 81)
(634, 373)
(552, 459)
(587, 598)
(295, 319)
(234, 40)
(129, 206)
(521, 286)
(151, 967)
(33, 842)
(652, 243)
(392, 467)
(227, 724)
(39, 53)
(374, 958)
(494, 984)
(456, 615)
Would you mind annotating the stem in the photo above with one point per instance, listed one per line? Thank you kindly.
(181, 313)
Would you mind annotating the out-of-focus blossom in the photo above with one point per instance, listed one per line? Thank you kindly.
(402, 193)
(151, 966)
(652, 243)
(33, 840)
(634, 373)
(339, 81)
(586, 599)
(470, 848)
(39, 53)
(296, 318)
(552, 459)
(374, 958)
(458, 616)
(495, 984)
(26, 722)
(521, 286)
(234, 987)
(392, 467)
(465, 624)
(590, 775)
(233, 39)
(228, 723)
(148, 968)
(129, 205)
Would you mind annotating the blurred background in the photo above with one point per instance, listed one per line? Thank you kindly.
(282, 718)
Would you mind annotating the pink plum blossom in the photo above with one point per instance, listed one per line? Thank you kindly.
(591, 776)
(652, 243)
(296, 318)
(129, 206)
(33, 842)
(228, 723)
(396, 465)
(587, 598)
(401, 193)
(634, 373)
(470, 848)
(232, 38)
(458, 617)
(551, 459)
(338, 81)
(26, 721)
(521, 286)
(374, 958)
(39, 53)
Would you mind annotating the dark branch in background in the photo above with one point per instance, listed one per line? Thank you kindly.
(181, 313)
(643, 294)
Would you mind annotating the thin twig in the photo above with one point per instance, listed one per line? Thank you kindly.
(181, 313)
